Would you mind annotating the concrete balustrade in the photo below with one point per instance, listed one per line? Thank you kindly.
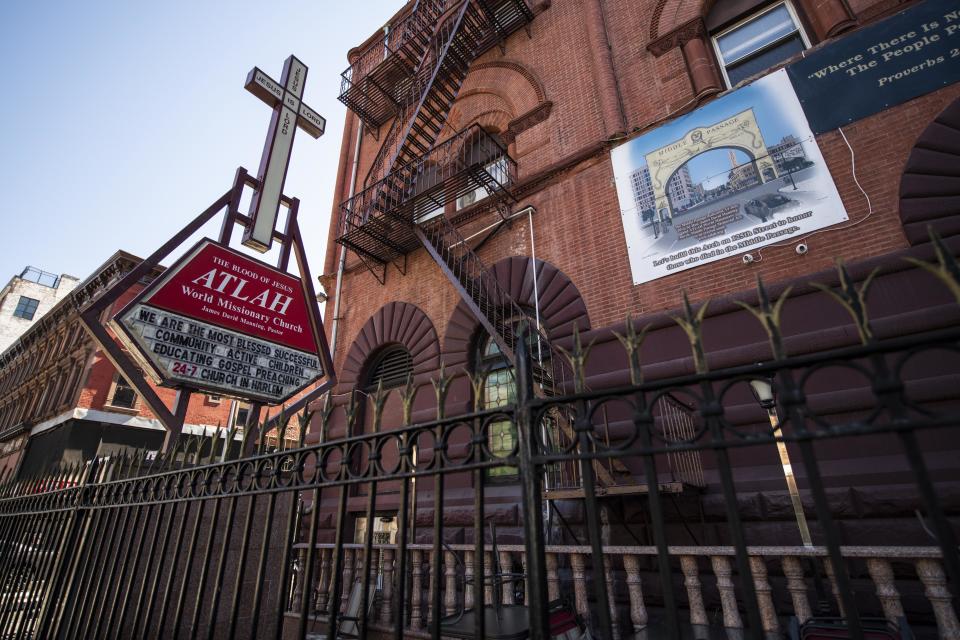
(782, 578)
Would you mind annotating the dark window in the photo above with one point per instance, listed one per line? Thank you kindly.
(392, 367)
(243, 414)
(26, 308)
(759, 41)
(123, 394)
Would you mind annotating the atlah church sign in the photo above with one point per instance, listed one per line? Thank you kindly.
(225, 323)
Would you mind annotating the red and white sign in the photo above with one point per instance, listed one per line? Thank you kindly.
(223, 322)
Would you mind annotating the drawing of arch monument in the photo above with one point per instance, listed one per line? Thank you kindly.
(739, 131)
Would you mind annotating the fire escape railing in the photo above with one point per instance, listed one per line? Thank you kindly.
(469, 161)
(380, 81)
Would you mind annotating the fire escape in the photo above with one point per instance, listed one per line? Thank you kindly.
(410, 80)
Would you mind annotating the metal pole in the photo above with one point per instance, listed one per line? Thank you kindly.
(791, 480)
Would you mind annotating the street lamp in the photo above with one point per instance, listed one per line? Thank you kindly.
(763, 391)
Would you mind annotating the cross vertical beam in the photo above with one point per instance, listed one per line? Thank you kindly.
(289, 113)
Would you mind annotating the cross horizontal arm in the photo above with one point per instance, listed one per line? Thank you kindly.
(271, 92)
(264, 87)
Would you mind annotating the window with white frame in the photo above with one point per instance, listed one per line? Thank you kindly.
(759, 41)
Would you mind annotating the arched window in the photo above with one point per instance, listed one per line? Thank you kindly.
(391, 367)
(499, 389)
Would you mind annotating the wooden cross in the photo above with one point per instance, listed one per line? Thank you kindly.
(289, 112)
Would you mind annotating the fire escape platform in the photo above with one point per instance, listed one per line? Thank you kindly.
(378, 221)
(379, 81)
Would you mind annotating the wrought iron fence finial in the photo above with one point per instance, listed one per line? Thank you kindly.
(852, 299)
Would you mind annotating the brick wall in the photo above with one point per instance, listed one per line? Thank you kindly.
(577, 226)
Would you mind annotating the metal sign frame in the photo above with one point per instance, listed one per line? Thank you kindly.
(291, 241)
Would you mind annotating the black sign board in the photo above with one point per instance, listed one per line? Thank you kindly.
(907, 55)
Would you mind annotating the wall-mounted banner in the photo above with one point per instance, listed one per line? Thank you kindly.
(740, 173)
(907, 55)
(223, 322)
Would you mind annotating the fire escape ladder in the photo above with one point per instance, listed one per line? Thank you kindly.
(456, 42)
(419, 55)
(497, 312)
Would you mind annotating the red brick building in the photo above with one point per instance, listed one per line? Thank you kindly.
(537, 116)
(62, 400)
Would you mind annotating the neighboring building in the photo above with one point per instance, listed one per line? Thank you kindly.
(787, 154)
(682, 192)
(26, 298)
(626, 67)
(61, 400)
(642, 190)
(741, 176)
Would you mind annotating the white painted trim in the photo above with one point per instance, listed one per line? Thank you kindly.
(96, 415)
(749, 18)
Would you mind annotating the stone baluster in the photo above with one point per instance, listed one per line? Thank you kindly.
(611, 596)
(834, 587)
(506, 566)
(431, 584)
(882, 575)
(416, 590)
(468, 585)
(691, 580)
(488, 571)
(580, 585)
(323, 584)
(935, 584)
(728, 599)
(768, 614)
(553, 578)
(638, 610)
(297, 600)
(526, 578)
(386, 607)
(793, 570)
(347, 584)
(450, 588)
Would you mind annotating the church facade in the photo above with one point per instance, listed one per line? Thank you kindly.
(545, 113)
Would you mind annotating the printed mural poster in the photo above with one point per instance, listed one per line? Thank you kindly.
(739, 174)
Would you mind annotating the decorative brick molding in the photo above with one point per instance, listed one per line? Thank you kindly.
(519, 68)
(530, 119)
(394, 323)
(694, 28)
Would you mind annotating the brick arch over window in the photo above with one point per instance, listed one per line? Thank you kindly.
(672, 17)
(502, 96)
(561, 305)
(395, 323)
(930, 186)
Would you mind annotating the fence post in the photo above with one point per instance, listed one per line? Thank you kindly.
(532, 496)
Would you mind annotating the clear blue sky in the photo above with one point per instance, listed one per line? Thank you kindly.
(121, 121)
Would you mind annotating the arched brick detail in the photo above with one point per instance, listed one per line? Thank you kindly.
(561, 306)
(518, 68)
(395, 323)
(930, 186)
(500, 95)
(672, 14)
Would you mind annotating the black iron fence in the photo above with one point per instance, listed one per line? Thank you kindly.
(196, 543)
